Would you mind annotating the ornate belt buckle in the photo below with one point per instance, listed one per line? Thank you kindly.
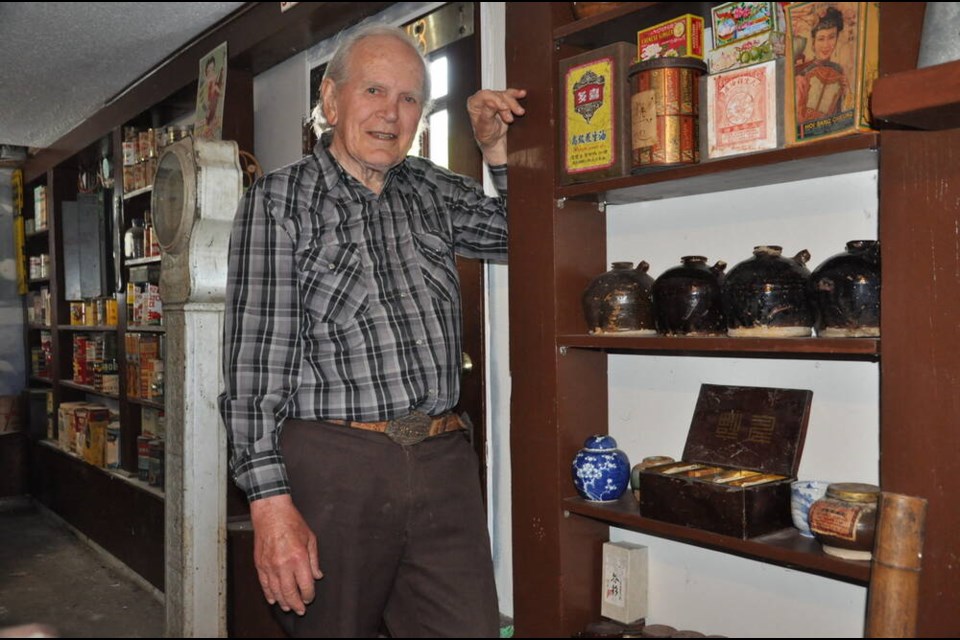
(409, 429)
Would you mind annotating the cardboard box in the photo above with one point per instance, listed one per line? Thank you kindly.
(832, 58)
(595, 104)
(681, 37)
(746, 33)
(742, 112)
(625, 567)
(741, 430)
(95, 435)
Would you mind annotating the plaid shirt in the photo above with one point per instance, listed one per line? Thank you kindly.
(342, 304)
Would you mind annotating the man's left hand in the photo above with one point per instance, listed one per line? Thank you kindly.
(491, 113)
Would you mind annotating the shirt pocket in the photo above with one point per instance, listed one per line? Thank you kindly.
(334, 289)
(438, 266)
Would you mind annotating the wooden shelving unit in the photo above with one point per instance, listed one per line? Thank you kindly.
(558, 244)
(785, 548)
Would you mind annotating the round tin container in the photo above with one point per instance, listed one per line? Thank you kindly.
(665, 112)
(845, 520)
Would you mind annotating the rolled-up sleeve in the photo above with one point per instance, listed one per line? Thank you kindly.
(261, 343)
(479, 220)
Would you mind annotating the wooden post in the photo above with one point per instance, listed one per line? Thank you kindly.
(898, 557)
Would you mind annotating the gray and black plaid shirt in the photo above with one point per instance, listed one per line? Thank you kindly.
(342, 304)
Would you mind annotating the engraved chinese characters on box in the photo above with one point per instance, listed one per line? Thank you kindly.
(741, 454)
(595, 115)
(742, 114)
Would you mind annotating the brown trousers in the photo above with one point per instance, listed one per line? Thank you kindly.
(401, 531)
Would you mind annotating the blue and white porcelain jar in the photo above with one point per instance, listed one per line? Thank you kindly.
(601, 472)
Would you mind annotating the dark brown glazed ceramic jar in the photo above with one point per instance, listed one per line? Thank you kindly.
(687, 299)
(845, 290)
(620, 301)
(766, 296)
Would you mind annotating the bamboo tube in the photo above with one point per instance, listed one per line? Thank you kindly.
(897, 562)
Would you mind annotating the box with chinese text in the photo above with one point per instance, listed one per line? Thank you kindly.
(742, 452)
(832, 63)
(596, 114)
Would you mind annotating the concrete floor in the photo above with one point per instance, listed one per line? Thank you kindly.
(49, 576)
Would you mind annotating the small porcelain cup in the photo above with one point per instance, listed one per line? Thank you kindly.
(804, 493)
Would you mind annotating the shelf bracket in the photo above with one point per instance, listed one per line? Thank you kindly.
(563, 351)
(602, 206)
(561, 202)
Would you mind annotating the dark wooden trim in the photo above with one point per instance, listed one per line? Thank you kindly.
(920, 368)
(831, 348)
(926, 98)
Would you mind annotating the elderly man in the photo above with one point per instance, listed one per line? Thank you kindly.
(342, 349)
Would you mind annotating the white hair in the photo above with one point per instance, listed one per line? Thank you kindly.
(337, 69)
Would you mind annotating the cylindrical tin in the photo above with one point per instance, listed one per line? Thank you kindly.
(845, 520)
(664, 109)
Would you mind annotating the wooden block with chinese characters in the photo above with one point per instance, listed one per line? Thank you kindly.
(624, 597)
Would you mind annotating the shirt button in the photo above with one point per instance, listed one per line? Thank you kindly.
(419, 341)
(332, 265)
(432, 392)
(403, 294)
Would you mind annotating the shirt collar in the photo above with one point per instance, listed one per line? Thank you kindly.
(331, 173)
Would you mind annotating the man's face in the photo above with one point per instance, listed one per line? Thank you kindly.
(376, 110)
(824, 43)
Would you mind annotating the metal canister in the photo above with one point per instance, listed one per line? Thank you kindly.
(665, 112)
(845, 520)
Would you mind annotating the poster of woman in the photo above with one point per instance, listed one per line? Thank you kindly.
(832, 64)
(210, 91)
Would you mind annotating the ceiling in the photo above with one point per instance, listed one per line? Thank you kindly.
(60, 62)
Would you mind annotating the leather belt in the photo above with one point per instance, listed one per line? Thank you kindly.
(411, 428)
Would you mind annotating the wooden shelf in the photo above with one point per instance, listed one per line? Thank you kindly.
(145, 328)
(146, 403)
(119, 474)
(133, 262)
(849, 154)
(36, 234)
(39, 327)
(138, 192)
(830, 348)
(86, 327)
(88, 389)
(41, 380)
(785, 548)
(927, 98)
(38, 281)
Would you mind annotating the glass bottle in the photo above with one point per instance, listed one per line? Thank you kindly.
(133, 240)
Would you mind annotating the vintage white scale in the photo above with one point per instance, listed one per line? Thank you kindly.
(195, 195)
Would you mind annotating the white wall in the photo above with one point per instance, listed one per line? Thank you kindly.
(652, 398)
(279, 106)
(493, 76)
